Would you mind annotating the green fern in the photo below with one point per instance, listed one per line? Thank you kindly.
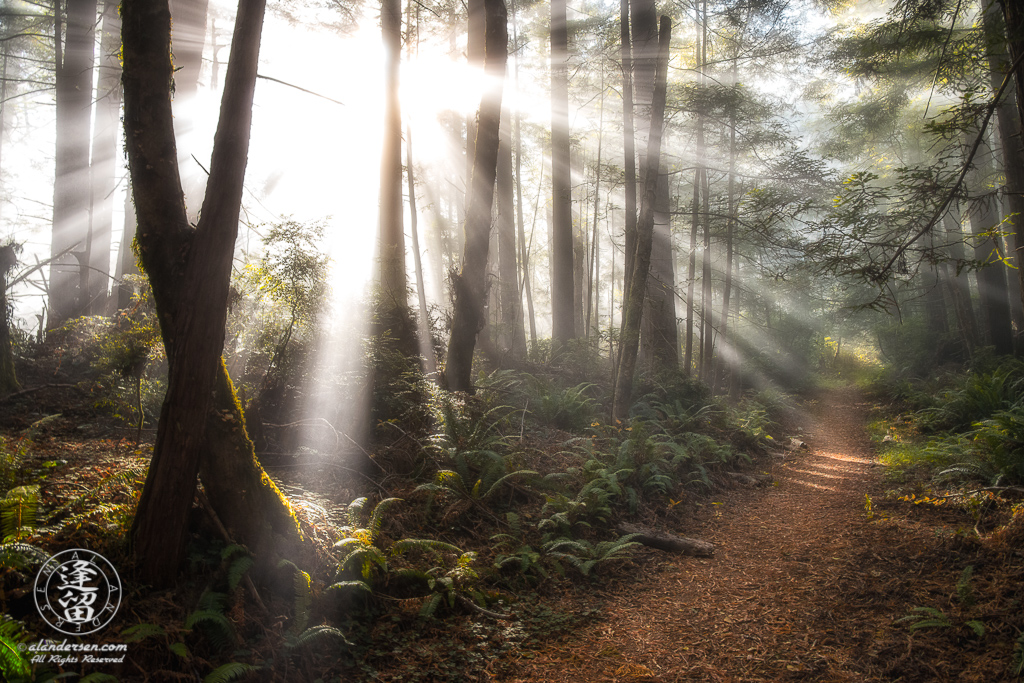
(211, 620)
(18, 512)
(926, 617)
(181, 650)
(316, 635)
(21, 556)
(13, 664)
(139, 632)
(232, 671)
(584, 556)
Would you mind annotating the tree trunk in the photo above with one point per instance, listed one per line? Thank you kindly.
(74, 70)
(513, 333)
(985, 218)
(393, 281)
(691, 269)
(633, 308)
(628, 146)
(8, 376)
(104, 159)
(727, 354)
(189, 270)
(562, 276)
(959, 283)
(188, 20)
(1009, 129)
(470, 284)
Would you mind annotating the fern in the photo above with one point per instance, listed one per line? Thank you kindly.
(13, 664)
(351, 585)
(232, 671)
(19, 511)
(926, 617)
(181, 650)
(21, 555)
(139, 632)
(214, 625)
(315, 635)
(99, 677)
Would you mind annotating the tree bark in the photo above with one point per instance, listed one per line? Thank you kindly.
(562, 276)
(393, 280)
(985, 218)
(104, 161)
(628, 146)
(470, 284)
(74, 71)
(189, 270)
(1008, 126)
(633, 308)
(512, 329)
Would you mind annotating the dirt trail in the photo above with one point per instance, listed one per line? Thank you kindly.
(799, 587)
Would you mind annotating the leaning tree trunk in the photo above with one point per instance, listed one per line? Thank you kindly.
(633, 308)
(189, 271)
(470, 284)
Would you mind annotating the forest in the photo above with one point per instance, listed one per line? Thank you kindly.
(509, 340)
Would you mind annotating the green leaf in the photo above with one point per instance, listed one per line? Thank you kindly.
(231, 671)
(134, 634)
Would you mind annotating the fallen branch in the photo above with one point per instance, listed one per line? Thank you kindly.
(25, 392)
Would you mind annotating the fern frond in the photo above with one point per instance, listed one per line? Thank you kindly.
(18, 511)
(351, 585)
(237, 570)
(319, 634)
(231, 671)
(99, 677)
(377, 517)
(13, 665)
(215, 626)
(430, 605)
(406, 544)
(139, 632)
(21, 555)
(496, 486)
(181, 650)
(355, 511)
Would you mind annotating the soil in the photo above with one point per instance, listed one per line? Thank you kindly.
(809, 579)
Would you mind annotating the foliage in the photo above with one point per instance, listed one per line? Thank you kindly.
(584, 556)
(571, 408)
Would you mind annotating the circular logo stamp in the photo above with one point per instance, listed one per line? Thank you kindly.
(77, 592)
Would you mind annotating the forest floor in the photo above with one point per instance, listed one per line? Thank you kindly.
(808, 580)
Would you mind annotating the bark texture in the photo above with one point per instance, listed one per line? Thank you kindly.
(633, 307)
(562, 276)
(189, 270)
(471, 284)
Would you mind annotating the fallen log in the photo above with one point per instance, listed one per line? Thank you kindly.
(750, 479)
(652, 538)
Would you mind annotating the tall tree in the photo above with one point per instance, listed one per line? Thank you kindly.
(393, 280)
(103, 167)
(189, 270)
(659, 336)
(512, 328)
(74, 58)
(562, 284)
(633, 308)
(470, 284)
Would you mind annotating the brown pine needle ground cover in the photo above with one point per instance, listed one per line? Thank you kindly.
(808, 581)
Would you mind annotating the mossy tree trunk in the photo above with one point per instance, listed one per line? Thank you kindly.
(470, 284)
(189, 269)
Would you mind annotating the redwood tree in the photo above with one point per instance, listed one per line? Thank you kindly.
(470, 284)
(200, 426)
(632, 313)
